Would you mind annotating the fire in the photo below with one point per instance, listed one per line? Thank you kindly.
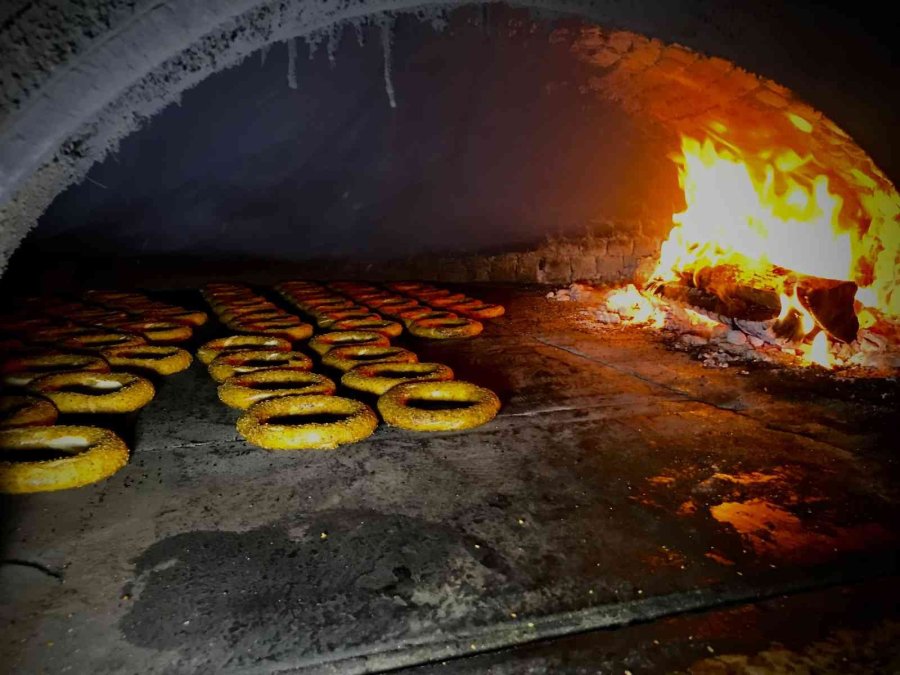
(757, 208)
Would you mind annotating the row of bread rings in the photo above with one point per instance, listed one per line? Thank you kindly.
(443, 299)
(107, 315)
(81, 382)
(420, 320)
(335, 312)
(74, 326)
(255, 379)
(244, 311)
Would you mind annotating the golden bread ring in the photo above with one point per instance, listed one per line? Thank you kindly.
(445, 328)
(259, 423)
(255, 316)
(397, 408)
(20, 371)
(235, 313)
(159, 331)
(234, 343)
(321, 344)
(289, 330)
(377, 378)
(328, 319)
(446, 300)
(89, 454)
(242, 391)
(161, 359)
(187, 317)
(94, 342)
(246, 361)
(476, 309)
(95, 392)
(26, 411)
(428, 294)
(395, 309)
(57, 334)
(345, 358)
(379, 325)
(407, 286)
(425, 313)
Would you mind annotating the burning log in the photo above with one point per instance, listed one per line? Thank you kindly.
(830, 303)
(756, 296)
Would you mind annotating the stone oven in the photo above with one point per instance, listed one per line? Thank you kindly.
(676, 225)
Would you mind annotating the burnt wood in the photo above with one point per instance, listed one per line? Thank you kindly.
(731, 290)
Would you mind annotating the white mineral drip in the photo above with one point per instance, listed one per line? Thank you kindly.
(358, 27)
(386, 48)
(263, 53)
(334, 41)
(292, 63)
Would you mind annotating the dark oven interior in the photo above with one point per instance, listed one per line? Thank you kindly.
(531, 337)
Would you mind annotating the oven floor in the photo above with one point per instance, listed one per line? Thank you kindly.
(712, 517)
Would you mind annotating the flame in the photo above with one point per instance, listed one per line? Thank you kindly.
(817, 352)
(761, 208)
(635, 306)
(769, 207)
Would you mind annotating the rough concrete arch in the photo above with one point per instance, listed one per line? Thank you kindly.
(79, 76)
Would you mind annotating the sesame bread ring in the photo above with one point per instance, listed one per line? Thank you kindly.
(161, 359)
(435, 406)
(476, 309)
(377, 378)
(58, 458)
(445, 328)
(26, 411)
(242, 391)
(236, 343)
(278, 423)
(236, 363)
(345, 358)
(328, 319)
(95, 392)
(446, 300)
(429, 294)
(19, 372)
(395, 308)
(407, 286)
(159, 331)
(379, 325)
(344, 338)
(188, 317)
(94, 342)
(56, 335)
(289, 330)
(425, 313)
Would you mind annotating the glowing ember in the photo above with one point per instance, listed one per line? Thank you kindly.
(636, 307)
